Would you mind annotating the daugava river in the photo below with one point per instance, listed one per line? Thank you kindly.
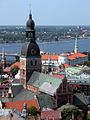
(52, 47)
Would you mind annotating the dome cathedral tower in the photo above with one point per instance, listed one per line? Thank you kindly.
(30, 29)
(30, 59)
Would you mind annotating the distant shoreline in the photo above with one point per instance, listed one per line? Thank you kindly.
(11, 42)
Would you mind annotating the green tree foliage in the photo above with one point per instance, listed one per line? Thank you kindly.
(68, 112)
(87, 63)
(14, 70)
(33, 111)
(86, 71)
(88, 116)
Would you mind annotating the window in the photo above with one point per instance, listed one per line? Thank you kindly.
(85, 88)
(33, 62)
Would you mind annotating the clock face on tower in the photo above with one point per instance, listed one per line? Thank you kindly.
(33, 51)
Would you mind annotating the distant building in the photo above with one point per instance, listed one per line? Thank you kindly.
(72, 58)
(64, 58)
(78, 79)
(49, 58)
(77, 58)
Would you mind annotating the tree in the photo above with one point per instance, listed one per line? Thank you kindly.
(33, 111)
(88, 116)
(68, 112)
(87, 63)
(14, 70)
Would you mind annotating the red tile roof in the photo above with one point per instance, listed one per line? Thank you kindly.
(52, 57)
(44, 57)
(51, 114)
(19, 104)
(71, 57)
(15, 64)
(66, 65)
(76, 55)
(7, 70)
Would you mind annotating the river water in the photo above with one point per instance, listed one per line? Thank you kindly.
(52, 47)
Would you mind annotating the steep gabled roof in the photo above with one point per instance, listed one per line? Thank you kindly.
(80, 99)
(16, 89)
(37, 79)
(24, 94)
(46, 101)
(19, 104)
(44, 82)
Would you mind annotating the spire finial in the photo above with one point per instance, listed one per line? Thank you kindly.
(30, 13)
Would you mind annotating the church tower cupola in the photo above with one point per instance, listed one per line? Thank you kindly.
(30, 23)
(30, 29)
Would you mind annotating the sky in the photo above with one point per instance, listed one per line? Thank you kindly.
(45, 12)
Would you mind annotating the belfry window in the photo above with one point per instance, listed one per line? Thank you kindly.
(35, 62)
(31, 62)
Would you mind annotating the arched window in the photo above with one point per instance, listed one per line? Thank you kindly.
(35, 62)
(31, 62)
